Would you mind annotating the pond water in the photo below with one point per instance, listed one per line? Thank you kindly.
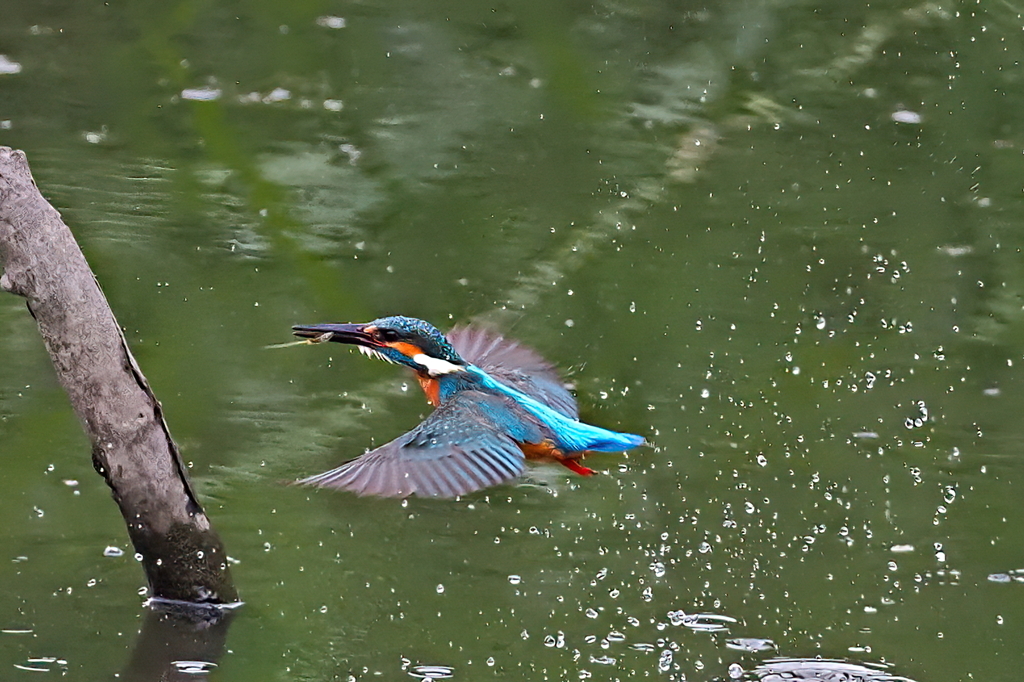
(780, 239)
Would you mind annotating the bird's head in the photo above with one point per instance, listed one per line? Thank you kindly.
(401, 340)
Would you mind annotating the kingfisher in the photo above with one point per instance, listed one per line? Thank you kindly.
(497, 403)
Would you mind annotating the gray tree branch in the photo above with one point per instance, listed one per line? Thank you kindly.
(131, 445)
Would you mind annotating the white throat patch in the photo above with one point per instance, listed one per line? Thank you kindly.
(436, 366)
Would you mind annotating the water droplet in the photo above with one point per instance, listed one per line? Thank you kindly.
(665, 661)
(906, 116)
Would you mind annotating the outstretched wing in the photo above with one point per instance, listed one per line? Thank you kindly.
(466, 444)
(515, 365)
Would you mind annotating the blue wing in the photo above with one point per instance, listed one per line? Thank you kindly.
(515, 365)
(468, 443)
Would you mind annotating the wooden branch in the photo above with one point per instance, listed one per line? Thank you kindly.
(131, 445)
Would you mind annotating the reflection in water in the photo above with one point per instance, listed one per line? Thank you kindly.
(178, 641)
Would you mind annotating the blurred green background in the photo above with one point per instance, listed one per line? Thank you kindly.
(781, 239)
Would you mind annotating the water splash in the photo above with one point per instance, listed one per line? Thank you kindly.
(431, 672)
(815, 670)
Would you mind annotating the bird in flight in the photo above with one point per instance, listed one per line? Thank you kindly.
(498, 403)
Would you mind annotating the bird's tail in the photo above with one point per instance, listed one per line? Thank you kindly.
(577, 436)
(613, 441)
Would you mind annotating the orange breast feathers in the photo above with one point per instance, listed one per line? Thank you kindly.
(431, 387)
(545, 451)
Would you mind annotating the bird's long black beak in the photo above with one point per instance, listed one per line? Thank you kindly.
(355, 334)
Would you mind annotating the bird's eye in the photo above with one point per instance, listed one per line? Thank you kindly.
(387, 335)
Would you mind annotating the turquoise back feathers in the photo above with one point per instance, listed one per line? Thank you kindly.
(572, 434)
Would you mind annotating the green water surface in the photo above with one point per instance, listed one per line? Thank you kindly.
(780, 239)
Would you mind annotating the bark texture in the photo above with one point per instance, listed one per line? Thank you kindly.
(131, 445)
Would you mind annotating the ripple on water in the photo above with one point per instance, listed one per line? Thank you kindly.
(431, 672)
(194, 667)
(43, 664)
(703, 622)
(814, 670)
(1012, 576)
(752, 644)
